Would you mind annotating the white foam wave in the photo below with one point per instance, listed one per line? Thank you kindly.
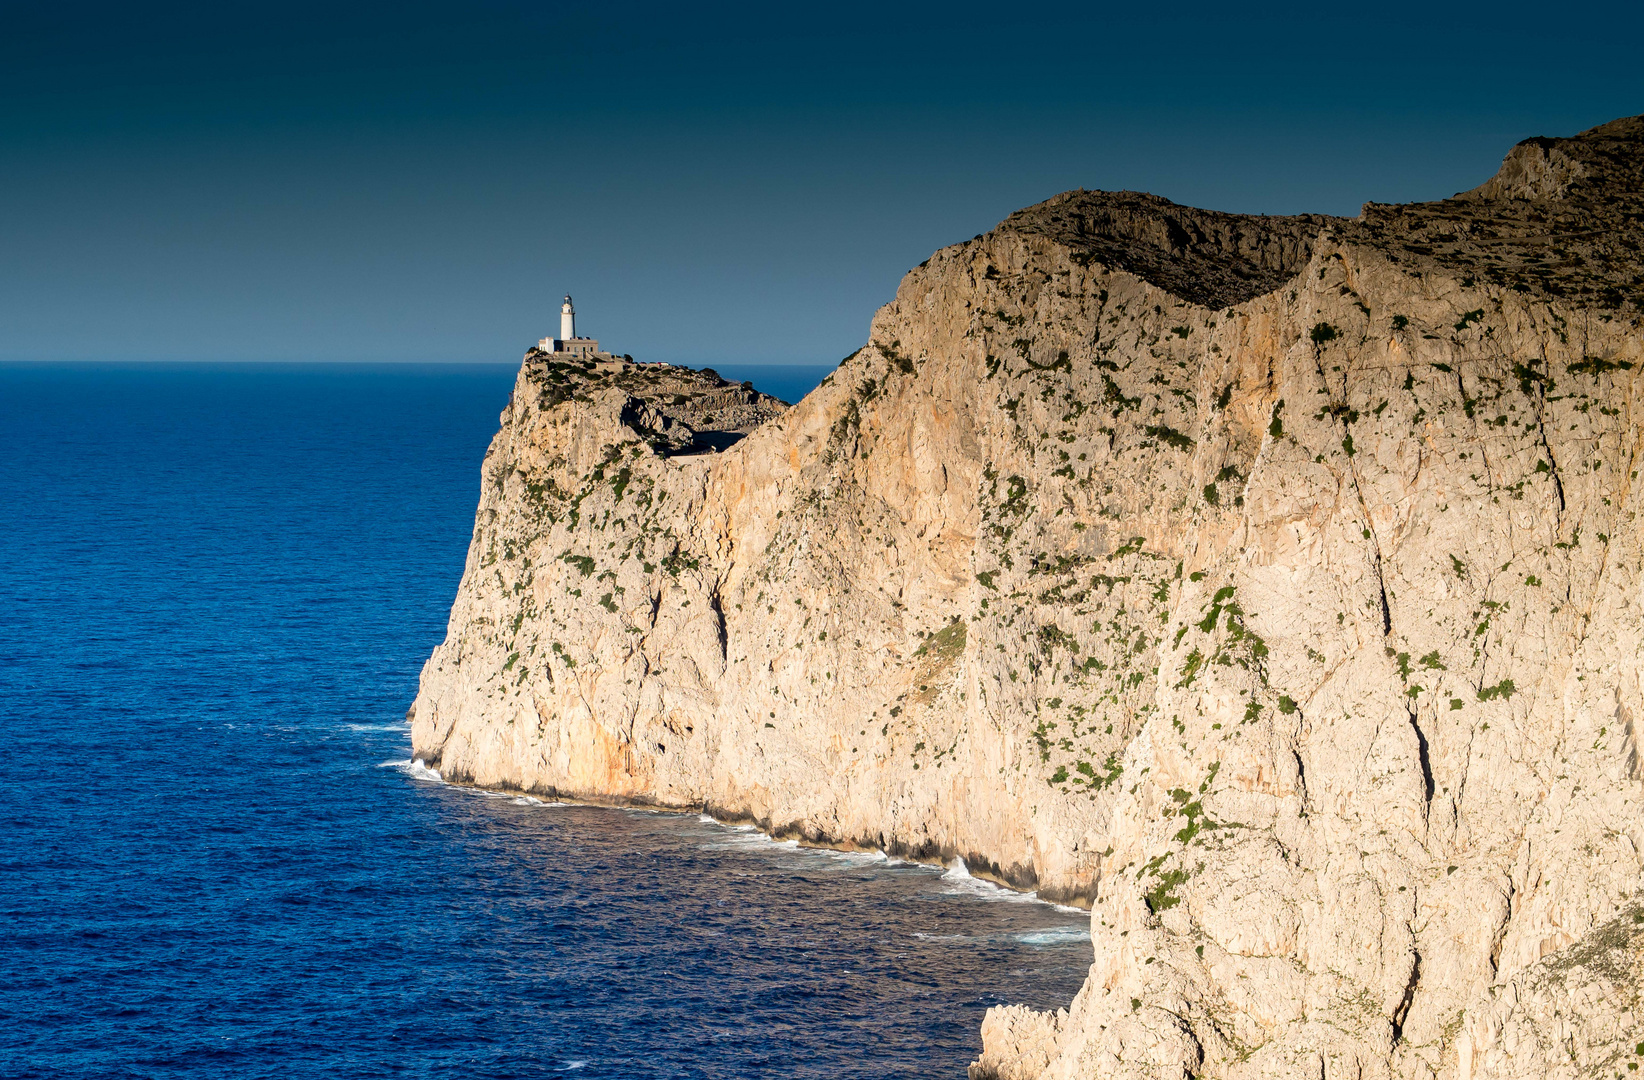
(1055, 935)
(1050, 935)
(858, 858)
(416, 769)
(751, 838)
(378, 727)
(956, 879)
(958, 882)
(743, 835)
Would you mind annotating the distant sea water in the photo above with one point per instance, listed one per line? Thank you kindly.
(217, 585)
(790, 383)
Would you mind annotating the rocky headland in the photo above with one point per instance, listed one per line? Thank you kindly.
(1270, 585)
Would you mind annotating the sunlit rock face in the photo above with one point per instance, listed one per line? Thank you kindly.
(1268, 584)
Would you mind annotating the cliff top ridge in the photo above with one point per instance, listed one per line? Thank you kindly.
(1562, 217)
(1203, 256)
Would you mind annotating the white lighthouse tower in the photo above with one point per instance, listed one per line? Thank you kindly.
(568, 344)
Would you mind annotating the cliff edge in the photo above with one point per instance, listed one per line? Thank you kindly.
(1269, 585)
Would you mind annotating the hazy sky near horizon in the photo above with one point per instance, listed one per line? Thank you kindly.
(713, 183)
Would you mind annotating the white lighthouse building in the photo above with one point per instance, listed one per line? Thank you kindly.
(568, 344)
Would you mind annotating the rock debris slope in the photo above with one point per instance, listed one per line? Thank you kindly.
(1271, 585)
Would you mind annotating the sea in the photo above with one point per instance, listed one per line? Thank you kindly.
(217, 585)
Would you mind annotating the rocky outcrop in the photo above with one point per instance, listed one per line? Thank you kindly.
(1575, 1013)
(1269, 584)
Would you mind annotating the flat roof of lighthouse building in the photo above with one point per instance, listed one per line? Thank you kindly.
(578, 346)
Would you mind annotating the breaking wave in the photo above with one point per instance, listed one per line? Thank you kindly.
(416, 769)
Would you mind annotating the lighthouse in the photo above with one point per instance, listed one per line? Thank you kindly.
(568, 344)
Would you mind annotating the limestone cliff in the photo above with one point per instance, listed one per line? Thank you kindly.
(1270, 584)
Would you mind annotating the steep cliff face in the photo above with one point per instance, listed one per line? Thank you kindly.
(1269, 584)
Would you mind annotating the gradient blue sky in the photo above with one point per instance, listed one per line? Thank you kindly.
(715, 184)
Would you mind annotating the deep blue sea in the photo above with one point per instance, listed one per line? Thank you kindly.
(217, 585)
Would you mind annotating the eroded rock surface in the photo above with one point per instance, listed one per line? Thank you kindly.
(1269, 584)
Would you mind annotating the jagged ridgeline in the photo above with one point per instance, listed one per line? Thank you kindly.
(1270, 585)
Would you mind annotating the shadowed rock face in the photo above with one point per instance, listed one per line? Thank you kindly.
(1563, 218)
(1207, 258)
(1271, 585)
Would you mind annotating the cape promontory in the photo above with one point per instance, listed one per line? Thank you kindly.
(1270, 585)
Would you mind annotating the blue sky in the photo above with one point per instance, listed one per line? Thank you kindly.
(715, 184)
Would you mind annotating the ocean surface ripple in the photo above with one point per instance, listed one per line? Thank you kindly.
(218, 584)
